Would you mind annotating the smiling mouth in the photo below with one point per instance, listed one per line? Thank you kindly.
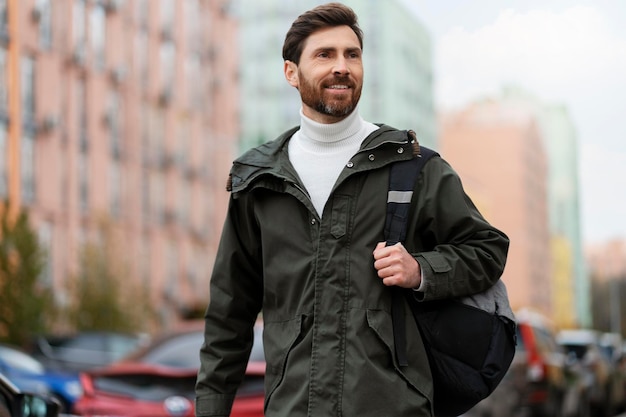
(338, 87)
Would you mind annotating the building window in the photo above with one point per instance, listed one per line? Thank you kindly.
(115, 184)
(157, 197)
(145, 196)
(4, 84)
(167, 56)
(192, 24)
(98, 35)
(27, 144)
(146, 265)
(141, 57)
(146, 135)
(183, 141)
(78, 33)
(142, 11)
(4, 190)
(83, 182)
(171, 283)
(44, 8)
(81, 103)
(157, 135)
(4, 20)
(46, 235)
(65, 181)
(184, 201)
(28, 91)
(193, 79)
(168, 11)
(27, 161)
(114, 122)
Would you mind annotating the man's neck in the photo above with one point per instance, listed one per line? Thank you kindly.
(325, 134)
(319, 152)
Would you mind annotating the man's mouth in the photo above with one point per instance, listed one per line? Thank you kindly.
(338, 87)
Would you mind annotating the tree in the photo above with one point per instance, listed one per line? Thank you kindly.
(26, 304)
(105, 296)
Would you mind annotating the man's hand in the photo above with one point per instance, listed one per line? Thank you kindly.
(396, 266)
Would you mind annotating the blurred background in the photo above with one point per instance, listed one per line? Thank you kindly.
(119, 120)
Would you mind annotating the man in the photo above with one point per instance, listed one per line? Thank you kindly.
(303, 243)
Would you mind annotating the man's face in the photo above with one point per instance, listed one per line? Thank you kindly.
(329, 75)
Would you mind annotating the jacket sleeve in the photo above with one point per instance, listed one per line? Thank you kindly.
(459, 252)
(235, 300)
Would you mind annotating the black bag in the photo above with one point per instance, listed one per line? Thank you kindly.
(469, 349)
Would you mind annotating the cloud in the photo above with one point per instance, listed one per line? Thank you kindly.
(557, 55)
(603, 182)
(572, 57)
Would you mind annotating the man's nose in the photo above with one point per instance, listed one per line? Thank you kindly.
(341, 66)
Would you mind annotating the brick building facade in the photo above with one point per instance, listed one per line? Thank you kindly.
(122, 110)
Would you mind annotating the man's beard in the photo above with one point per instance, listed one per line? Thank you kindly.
(313, 97)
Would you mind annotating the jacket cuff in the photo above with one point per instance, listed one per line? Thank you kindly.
(431, 264)
(214, 405)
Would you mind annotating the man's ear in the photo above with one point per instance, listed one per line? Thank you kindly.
(291, 73)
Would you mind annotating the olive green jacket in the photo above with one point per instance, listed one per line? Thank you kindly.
(328, 335)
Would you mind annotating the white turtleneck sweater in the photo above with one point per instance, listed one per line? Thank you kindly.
(319, 152)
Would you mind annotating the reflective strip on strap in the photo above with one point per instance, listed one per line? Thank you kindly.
(399, 196)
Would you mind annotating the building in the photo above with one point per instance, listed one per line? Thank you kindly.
(124, 110)
(398, 84)
(569, 286)
(498, 151)
(607, 266)
(571, 282)
(607, 260)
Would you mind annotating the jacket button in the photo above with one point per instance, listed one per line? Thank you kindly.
(313, 222)
(350, 164)
(371, 157)
(400, 150)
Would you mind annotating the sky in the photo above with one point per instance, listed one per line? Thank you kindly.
(563, 52)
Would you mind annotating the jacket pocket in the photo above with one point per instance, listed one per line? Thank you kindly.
(417, 374)
(279, 338)
(380, 323)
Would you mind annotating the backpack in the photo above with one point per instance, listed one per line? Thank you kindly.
(469, 349)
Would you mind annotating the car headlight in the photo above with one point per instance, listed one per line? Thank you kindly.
(74, 389)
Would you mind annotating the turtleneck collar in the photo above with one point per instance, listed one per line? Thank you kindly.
(329, 133)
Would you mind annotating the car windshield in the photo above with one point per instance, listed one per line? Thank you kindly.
(180, 352)
(183, 351)
(578, 350)
(519, 339)
(20, 361)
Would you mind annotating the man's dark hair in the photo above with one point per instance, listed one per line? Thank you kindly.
(324, 16)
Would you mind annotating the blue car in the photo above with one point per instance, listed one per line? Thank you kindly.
(29, 375)
(15, 403)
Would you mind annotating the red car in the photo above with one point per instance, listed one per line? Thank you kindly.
(159, 381)
(542, 380)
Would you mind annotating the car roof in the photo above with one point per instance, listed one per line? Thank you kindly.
(163, 350)
(578, 336)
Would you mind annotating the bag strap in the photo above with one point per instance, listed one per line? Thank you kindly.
(402, 178)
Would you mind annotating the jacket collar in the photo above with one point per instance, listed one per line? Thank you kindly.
(272, 157)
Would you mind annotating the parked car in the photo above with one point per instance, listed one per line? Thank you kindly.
(84, 350)
(541, 381)
(584, 345)
(30, 375)
(16, 403)
(159, 381)
(612, 345)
